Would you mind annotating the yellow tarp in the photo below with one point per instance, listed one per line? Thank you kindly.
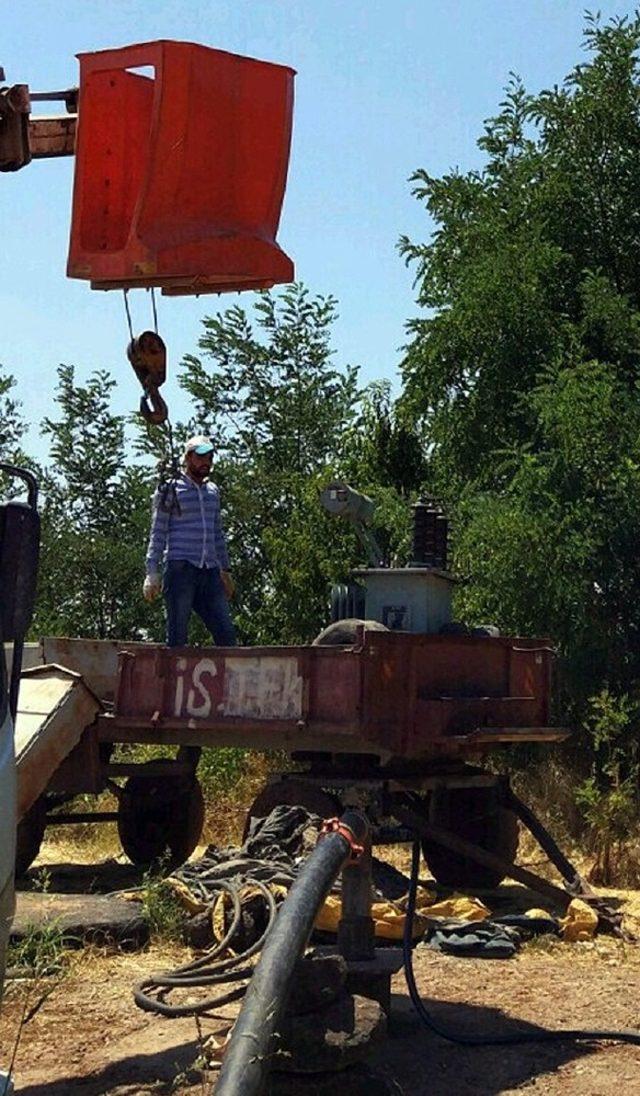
(389, 917)
(580, 923)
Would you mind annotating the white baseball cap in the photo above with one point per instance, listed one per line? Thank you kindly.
(198, 444)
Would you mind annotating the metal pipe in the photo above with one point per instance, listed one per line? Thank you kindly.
(247, 1061)
(83, 817)
(571, 875)
(356, 935)
(68, 95)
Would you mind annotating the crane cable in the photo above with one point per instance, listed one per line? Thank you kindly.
(168, 498)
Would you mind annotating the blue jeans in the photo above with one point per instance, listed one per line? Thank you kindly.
(187, 588)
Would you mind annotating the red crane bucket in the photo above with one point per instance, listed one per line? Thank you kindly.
(180, 174)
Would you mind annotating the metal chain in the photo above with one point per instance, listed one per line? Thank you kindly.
(168, 493)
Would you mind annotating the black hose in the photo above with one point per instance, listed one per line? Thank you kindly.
(540, 1035)
(248, 1058)
(150, 994)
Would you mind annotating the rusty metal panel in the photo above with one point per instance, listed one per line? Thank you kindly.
(419, 691)
(54, 707)
(388, 691)
(209, 684)
(489, 736)
(265, 697)
(463, 666)
(96, 660)
(254, 734)
(530, 669)
(460, 716)
(335, 695)
(395, 694)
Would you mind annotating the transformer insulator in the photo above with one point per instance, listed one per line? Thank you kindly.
(425, 513)
(442, 541)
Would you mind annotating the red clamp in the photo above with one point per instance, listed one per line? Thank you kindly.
(334, 825)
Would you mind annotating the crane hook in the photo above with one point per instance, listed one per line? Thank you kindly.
(158, 412)
(148, 356)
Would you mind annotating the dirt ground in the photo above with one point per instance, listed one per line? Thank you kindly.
(88, 1038)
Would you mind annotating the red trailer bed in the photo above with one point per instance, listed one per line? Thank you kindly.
(393, 694)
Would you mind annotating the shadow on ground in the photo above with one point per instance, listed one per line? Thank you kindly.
(424, 1064)
(100, 878)
(419, 1062)
(156, 1072)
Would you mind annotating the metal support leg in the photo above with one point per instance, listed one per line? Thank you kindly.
(610, 918)
(575, 882)
(369, 969)
(356, 939)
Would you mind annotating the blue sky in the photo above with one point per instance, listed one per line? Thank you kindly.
(383, 87)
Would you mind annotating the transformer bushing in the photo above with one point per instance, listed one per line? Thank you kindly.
(430, 535)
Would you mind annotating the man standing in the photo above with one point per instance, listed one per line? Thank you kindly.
(186, 530)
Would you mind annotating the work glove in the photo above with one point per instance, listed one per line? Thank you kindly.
(229, 585)
(151, 587)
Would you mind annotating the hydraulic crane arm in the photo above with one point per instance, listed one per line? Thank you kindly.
(24, 138)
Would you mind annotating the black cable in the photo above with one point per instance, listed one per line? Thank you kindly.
(168, 487)
(125, 293)
(150, 994)
(497, 1039)
(155, 312)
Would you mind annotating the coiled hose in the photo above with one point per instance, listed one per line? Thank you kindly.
(494, 1039)
(208, 970)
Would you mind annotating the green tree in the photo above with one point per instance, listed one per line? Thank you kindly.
(11, 421)
(533, 260)
(266, 390)
(554, 552)
(95, 516)
(524, 373)
(12, 429)
(384, 456)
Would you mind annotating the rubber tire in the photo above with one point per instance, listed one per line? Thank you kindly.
(160, 818)
(29, 835)
(343, 633)
(477, 815)
(292, 793)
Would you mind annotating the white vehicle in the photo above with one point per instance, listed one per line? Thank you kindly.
(19, 547)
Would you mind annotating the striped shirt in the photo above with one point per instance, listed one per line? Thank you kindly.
(194, 534)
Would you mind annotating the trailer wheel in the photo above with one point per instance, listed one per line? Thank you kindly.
(29, 834)
(292, 793)
(160, 818)
(477, 815)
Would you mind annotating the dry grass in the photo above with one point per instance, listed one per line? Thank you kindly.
(547, 788)
(226, 814)
(85, 842)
